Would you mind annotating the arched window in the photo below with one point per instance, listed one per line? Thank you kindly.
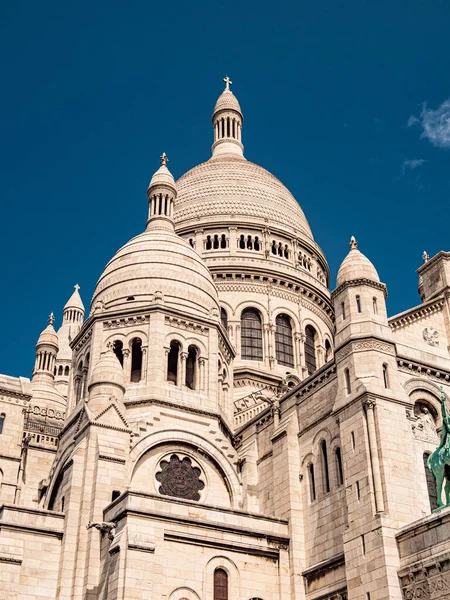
(348, 385)
(223, 241)
(60, 371)
(274, 247)
(312, 482)
(326, 473)
(431, 483)
(118, 350)
(251, 335)
(172, 363)
(78, 381)
(191, 368)
(256, 246)
(340, 472)
(2, 422)
(224, 317)
(310, 349)
(208, 244)
(358, 303)
(136, 360)
(242, 242)
(216, 242)
(374, 304)
(385, 376)
(220, 584)
(283, 341)
(343, 311)
(328, 351)
(66, 371)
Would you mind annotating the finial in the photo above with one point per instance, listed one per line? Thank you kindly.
(164, 159)
(353, 243)
(77, 287)
(51, 318)
(227, 82)
(425, 256)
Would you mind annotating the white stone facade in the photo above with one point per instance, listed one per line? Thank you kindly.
(222, 425)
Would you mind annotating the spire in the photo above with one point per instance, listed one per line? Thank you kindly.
(353, 243)
(356, 266)
(227, 121)
(73, 311)
(46, 351)
(162, 192)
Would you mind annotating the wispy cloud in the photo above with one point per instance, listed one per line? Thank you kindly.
(435, 124)
(412, 164)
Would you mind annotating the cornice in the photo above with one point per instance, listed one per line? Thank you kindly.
(358, 282)
(409, 366)
(415, 314)
(364, 344)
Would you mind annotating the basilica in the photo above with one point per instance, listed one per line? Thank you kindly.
(225, 422)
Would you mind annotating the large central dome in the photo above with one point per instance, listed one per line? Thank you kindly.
(230, 186)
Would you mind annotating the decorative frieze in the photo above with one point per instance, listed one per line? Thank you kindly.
(126, 322)
(364, 345)
(186, 325)
(408, 366)
(416, 314)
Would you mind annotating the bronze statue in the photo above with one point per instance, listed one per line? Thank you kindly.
(439, 461)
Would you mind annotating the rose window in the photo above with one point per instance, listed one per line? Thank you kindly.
(179, 478)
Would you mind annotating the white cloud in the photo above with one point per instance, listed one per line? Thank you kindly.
(412, 164)
(412, 121)
(436, 124)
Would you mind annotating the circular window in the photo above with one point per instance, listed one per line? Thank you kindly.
(179, 478)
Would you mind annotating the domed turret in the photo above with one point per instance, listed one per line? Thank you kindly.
(46, 351)
(227, 121)
(107, 382)
(356, 266)
(157, 265)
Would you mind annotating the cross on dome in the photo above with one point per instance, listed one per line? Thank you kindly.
(353, 243)
(51, 319)
(77, 287)
(164, 159)
(227, 82)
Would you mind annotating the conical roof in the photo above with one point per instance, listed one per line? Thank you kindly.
(75, 300)
(162, 176)
(227, 101)
(48, 335)
(356, 266)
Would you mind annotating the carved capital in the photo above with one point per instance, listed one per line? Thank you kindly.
(369, 404)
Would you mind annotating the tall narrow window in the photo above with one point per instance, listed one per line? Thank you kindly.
(118, 350)
(220, 584)
(326, 474)
(223, 241)
(136, 360)
(374, 304)
(283, 341)
(358, 303)
(431, 483)
(2, 422)
(216, 242)
(251, 335)
(312, 482)
(310, 349)
(385, 376)
(328, 351)
(191, 368)
(224, 317)
(340, 472)
(66, 371)
(242, 242)
(348, 385)
(343, 311)
(172, 363)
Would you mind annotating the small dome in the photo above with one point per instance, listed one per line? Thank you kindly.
(75, 300)
(49, 335)
(227, 101)
(108, 371)
(356, 266)
(156, 266)
(162, 176)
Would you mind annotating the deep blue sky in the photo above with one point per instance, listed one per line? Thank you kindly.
(93, 92)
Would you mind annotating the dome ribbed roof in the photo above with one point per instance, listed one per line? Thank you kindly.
(232, 187)
(356, 266)
(156, 265)
(227, 101)
(108, 370)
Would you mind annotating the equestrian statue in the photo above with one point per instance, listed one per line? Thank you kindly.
(439, 461)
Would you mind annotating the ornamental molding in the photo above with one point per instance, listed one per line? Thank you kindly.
(84, 340)
(358, 282)
(364, 345)
(415, 384)
(426, 581)
(416, 314)
(126, 322)
(45, 412)
(316, 383)
(21, 399)
(408, 366)
(225, 350)
(186, 325)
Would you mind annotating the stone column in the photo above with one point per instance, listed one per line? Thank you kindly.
(144, 363)
(298, 351)
(182, 371)
(166, 362)
(237, 340)
(373, 448)
(201, 365)
(232, 236)
(126, 364)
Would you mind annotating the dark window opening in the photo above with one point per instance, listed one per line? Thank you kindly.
(172, 363)
(216, 242)
(191, 368)
(385, 376)
(348, 386)
(242, 242)
(191, 242)
(66, 372)
(358, 304)
(249, 242)
(283, 341)
(310, 349)
(115, 495)
(118, 350)
(340, 472)
(2, 422)
(224, 317)
(343, 311)
(256, 246)
(223, 241)
(136, 360)
(328, 351)
(251, 335)
(208, 244)
(274, 247)
(220, 584)
(312, 482)
(326, 474)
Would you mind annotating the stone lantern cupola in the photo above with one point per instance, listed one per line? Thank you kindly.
(46, 351)
(227, 121)
(161, 193)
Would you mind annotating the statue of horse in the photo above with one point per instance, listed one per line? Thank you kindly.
(439, 461)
